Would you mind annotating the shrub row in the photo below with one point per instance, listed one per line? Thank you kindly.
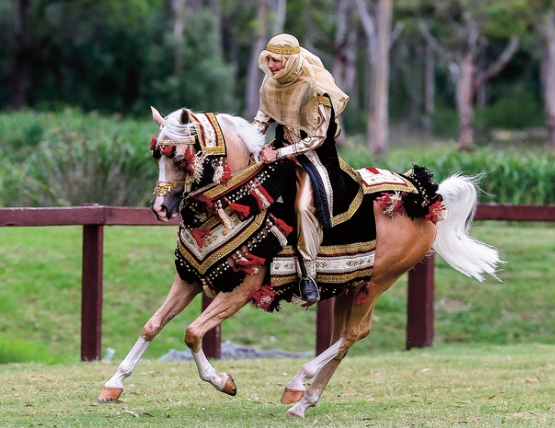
(71, 158)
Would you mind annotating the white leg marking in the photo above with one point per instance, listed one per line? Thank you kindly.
(308, 400)
(128, 364)
(207, 372)
(311, 369)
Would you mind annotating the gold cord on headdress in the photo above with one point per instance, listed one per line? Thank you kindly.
(278, 50)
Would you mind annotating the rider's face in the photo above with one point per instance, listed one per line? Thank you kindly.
(275, 64)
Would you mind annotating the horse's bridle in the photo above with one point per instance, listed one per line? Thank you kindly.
(166, 148)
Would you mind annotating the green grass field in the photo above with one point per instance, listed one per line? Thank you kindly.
(40, 297)
(447, 386)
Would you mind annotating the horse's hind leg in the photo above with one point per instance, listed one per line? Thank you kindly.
(353, 325)
(180, 295)
(401, 244)
(295, 389)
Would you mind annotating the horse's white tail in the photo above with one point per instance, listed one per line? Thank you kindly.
(453, 241)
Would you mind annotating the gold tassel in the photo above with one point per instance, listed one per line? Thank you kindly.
(209, 292)
(218, 174)
(226, 220)
(280, 236)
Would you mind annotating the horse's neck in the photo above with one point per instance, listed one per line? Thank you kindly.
(237, 154)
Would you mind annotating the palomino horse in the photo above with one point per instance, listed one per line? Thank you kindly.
(198, 171)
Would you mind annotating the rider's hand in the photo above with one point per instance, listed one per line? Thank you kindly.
(268, 155)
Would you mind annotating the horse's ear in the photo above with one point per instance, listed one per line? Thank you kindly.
(157, 117)
(184, 116)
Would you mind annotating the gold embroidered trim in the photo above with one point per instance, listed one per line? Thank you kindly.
(391, 187)
(221, 252)
(212, 145)
(387, 185)
(237, 178)
(324, 101)
(357, 247)
(278, 50)
(356, 202)
(167, 142)
(164, 187)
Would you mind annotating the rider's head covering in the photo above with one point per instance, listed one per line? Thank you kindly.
(290, 96)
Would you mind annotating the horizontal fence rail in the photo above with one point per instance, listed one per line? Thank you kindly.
(93, 218)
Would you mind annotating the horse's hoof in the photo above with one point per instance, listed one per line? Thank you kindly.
(230, 387)
(109, 395)
(291, 396)
(292, 414)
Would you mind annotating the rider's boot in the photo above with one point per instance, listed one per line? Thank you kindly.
(307, 284)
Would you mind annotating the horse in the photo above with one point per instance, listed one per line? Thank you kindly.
(207, 166)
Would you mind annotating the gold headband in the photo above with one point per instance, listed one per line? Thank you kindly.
(278, 50)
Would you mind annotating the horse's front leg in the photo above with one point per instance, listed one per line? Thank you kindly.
(220, 309)
(180, 295)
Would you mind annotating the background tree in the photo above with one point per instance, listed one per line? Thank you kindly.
(463, 29)
(377, 27)
(543, 21)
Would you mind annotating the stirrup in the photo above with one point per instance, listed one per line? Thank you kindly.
(309, 290)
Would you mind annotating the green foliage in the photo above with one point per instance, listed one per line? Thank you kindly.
(513, 175)
(69, 158)
(18, 351)
(519, 111)
(204, 82)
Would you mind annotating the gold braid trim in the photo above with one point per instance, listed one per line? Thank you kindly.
(356, 202)
(164, 187)
(278, 50)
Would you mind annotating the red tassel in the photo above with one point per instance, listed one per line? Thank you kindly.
(384, 201)
(435, 209)
(152, 144)
(263, 297)
(188, 162)
(262, 190)
(249, 264)
(199, 234)
(227, 175)
(202, 199)
(258, 200)
(372, 169)
(242, 211)
(362, 294)
(168, 151)
(284, 227)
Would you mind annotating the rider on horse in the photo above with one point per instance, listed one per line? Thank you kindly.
(301, 97)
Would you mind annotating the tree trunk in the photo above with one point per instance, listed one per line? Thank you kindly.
(378, 131)
(549, 78)
(415, 88)
(429, 91)
(465, 96)
(19, 74)
(344, 61)
(178, 8)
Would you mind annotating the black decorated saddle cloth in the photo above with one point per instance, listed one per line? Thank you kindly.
(232, 230)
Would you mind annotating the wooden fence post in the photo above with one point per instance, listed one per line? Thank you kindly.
(420, 307)
(324, 325)
(212, 340)
(91, 294)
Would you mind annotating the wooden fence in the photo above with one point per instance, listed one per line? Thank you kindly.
(93, 218)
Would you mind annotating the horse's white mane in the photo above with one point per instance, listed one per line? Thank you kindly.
(253, 140)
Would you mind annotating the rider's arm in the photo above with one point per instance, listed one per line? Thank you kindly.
(312, 142)
(262, 122)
